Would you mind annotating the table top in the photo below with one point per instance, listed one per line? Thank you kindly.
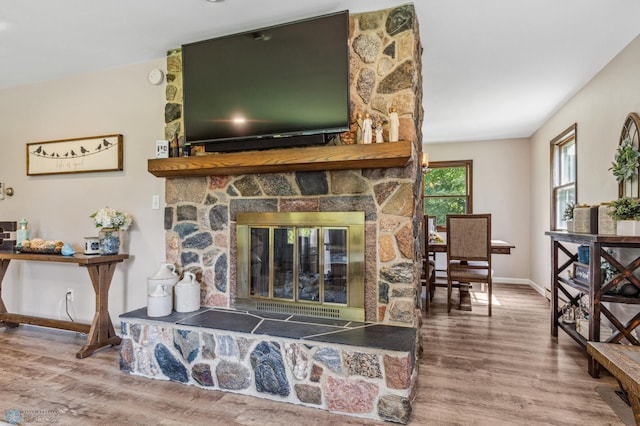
(497, 247)
(581, 238)
(623, 361)
(78, 258)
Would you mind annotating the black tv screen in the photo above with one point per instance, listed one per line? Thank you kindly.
(277, 86)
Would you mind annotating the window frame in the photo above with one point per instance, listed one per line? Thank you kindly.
(569, 134)
(468, 165)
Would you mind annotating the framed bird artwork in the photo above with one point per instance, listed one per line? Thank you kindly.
(81, 155)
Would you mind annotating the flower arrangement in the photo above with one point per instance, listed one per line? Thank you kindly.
(110, 218)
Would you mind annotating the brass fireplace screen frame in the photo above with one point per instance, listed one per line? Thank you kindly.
(352, 222)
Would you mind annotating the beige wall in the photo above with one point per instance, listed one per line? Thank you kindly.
(511, 177)
(599, 109)
(500, 187)
(58, 206)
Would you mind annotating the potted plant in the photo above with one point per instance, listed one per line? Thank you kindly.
(567, 215)
(626, 212)
(625, 165)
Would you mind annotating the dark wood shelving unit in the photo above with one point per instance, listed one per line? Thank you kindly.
(595, 288)
(315, 158)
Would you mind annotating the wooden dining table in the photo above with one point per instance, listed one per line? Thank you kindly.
(497, 247)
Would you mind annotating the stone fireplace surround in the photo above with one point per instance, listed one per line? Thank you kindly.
(350, 376)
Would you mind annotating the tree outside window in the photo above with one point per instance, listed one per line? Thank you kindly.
(564, 176)
(447, 189)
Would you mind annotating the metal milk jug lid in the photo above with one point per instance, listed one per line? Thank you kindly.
(166, 271)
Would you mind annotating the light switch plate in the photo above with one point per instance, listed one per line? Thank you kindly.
(1, 191)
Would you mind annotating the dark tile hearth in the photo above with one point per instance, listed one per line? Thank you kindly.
(292, 327)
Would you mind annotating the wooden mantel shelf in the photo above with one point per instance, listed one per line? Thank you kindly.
(315, 158)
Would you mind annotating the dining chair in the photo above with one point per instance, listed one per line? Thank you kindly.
(428, 261)
(468, 252)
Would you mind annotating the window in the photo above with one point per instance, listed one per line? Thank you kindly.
(564, 177)
(447, 189)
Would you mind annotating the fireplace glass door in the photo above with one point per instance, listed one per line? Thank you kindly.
(299, 264)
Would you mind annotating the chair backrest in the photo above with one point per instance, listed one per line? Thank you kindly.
(469, 237)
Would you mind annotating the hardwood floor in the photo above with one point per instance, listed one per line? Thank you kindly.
(501, 370)
(504, 369)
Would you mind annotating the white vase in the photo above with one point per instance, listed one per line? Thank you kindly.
(628, 228)
(570, 225)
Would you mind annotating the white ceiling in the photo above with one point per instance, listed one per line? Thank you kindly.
(492, 68)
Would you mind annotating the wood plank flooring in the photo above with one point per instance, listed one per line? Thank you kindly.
(503, 370)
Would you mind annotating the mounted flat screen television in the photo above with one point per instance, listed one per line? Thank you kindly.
(285, 85)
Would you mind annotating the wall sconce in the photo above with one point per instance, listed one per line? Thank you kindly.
(425, 162)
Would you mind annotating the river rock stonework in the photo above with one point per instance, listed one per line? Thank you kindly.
(199, 220)
(357, 381)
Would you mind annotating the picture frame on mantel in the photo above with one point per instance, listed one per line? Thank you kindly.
(81, 155)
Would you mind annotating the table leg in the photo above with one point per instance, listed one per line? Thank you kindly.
(635, 406)
(4, 265)
(465, 297)
(102, 332)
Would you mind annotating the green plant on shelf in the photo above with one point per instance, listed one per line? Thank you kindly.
(625, 208)
(568, 211)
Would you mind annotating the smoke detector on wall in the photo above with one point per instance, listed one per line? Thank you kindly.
(156, 76)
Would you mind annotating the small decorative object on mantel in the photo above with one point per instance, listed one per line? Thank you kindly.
(162, 149)
(367, 129)
(394, 125)
(110, 222)
(358, 124)
(585, 219)
(379, 138)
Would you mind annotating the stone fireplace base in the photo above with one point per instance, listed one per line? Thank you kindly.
(356, 369)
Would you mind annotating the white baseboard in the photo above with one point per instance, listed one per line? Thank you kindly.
(526, 281)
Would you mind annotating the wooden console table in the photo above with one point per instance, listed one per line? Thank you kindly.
(101, 268)
(597, 290)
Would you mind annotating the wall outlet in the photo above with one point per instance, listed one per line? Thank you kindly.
(155, 202)
(69, 294)
(1, 191)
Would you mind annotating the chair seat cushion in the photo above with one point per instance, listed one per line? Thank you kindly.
(480, 275)
(471, 263)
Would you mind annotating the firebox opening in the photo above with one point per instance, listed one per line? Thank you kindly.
(301, 263)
